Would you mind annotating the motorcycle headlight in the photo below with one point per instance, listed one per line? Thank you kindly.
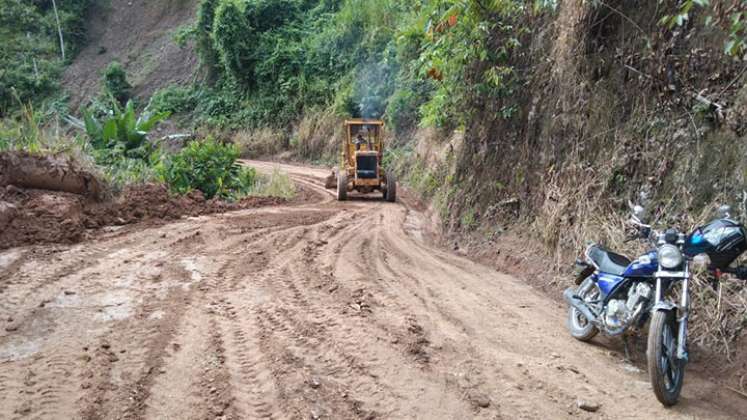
(670, 256)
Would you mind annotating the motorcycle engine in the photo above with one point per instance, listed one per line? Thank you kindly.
(616, 313)
(620, 312)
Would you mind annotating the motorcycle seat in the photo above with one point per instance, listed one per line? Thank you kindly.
(607, 261)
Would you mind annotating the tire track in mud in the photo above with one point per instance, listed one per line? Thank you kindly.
(304, 338)
(342, 351)
(131, 354)
(251, 381)
(323, 309)
(18, 297)
(176, 391)
(385, 272)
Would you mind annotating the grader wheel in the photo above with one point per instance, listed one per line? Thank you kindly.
(342, 186)
(390, 194)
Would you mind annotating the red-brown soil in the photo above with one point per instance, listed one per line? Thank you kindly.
(42, 216)
(317, 310)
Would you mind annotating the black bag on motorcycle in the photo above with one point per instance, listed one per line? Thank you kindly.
(723, 240)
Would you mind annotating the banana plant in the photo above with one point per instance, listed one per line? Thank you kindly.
(119, 132)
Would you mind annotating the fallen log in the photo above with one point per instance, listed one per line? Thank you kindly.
(55, 173)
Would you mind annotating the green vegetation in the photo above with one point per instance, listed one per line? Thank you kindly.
(728, 15)
(413, 63)
(27, 133)
(210, 167)
(120, 134)
(174, 100)
(30, 52)
(116, 84)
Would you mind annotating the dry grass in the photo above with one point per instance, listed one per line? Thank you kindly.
(277, 184)
(317, 136)
(577, 209)
(261, 142)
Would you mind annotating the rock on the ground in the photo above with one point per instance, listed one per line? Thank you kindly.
(480, 400)
(586, 405)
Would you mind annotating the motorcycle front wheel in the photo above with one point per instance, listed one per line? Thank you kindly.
(665, 370)
(580, 327)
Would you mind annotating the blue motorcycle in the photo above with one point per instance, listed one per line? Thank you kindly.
(615, 295)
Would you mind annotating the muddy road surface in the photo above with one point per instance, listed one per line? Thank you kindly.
(312, 310)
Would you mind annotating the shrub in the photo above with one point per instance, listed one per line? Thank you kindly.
(28, 132)
(208, 166)
(173, 100)
(116, 84)
(402, 111)
(119, 134)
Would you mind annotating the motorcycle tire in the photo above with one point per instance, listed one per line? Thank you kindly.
(581, 329)
(667, 373)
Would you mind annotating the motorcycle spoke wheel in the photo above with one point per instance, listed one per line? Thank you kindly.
(665, 370)
(579, 326)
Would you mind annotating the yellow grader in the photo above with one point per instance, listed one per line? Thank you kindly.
(361, 167)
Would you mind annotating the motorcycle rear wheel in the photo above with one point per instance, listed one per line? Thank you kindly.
(667, 373)
(580, 327)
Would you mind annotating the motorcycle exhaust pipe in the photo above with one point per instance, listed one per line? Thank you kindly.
(570, 296)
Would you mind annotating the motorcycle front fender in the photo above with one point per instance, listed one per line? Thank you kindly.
(664, 305)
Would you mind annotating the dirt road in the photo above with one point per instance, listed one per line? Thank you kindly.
(315, 310)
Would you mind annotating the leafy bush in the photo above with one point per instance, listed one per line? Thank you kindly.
(173, 100)
(116, 84)
(402, 110)
(233, 37)
(422, 62)
(119, 134)
(208, 166)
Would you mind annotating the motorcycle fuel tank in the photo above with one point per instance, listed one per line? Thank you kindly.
(644, 266)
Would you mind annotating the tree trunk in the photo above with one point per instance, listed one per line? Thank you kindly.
(59, 29)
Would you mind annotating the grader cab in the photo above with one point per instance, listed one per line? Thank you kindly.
(361, 167)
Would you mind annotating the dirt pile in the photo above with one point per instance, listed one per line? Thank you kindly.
(48, 172)
(30, 216)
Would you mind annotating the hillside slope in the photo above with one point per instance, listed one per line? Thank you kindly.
(138, 34)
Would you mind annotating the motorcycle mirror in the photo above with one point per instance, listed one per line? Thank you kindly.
(724, 211)
(638, 213)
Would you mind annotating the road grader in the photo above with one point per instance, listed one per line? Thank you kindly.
(361, 165)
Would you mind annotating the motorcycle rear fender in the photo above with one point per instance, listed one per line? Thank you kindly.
(582, 270)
